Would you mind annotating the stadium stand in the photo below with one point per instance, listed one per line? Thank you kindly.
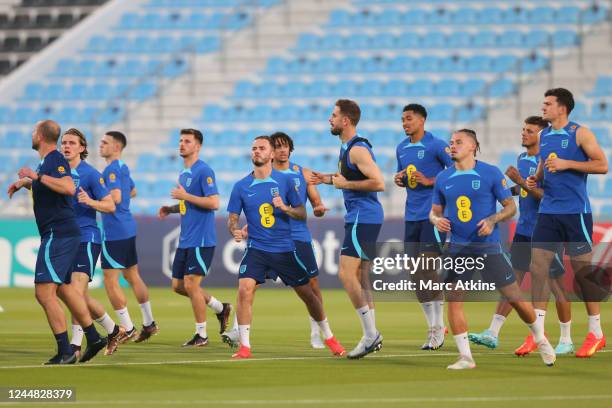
(462, 61)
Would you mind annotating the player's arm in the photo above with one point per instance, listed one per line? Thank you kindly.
(317, 178)
(297, 212)
(436, 217)
(18, 185)
(234, 230)
(514, 175)
(210, 202)
(116, 195)
(360, 157)
(104, 205)
(318, 208)
(62, 185)
(166, 210)
(488, 224)
(598, 163)
(532, 181)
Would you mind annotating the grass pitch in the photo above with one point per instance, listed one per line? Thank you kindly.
(285, 371)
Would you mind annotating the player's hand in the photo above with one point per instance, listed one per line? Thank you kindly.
(317, 178)
(27, 172)
(486, 227)
(339, 181)
(237, 233)
(83, 197)
(554, 164)
(514, 175)
(319, 210)
(443, 224)
(179, 193)
(13, 188)
(531, 182)
(163, 212)
(399, 178)
(277, 201)
(245, 232)
(421, 179)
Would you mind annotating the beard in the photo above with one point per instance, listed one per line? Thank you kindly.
(336, 131)
(35, 145)
(259, 162)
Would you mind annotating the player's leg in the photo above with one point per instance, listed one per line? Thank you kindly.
(305, 254)
(46, 296)
(293, 272)
(563, 306)
(79, 282)
(118, 301)
(459, 328)
(244, 312)
(192, 284)
(359, 245)
(141, 292)
(498, 270)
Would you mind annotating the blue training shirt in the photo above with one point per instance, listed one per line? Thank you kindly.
(121, 224)
(528, 204)
(470, 196)
(197, 223)
(430, 156)
(90, 180)
(299, 228)
(565, 192)
(269, 227)
(361, 206)
(54, 212)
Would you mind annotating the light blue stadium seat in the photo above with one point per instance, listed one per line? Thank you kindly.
(579, 112)
(308, 42)
(601, 111)
(603, 86)
(117, 44)
(355, 42)
(515, 15)
(143, 91)
(447, 87)
(504, 63)
(470, 113)
(77, 91)
(129, 21)
(452, 63)
(96, 44)
(567, 14)
(502, 88)
(426, 64)
(293, 89)
(534, 63)
(395, 87)
(536, 38)
(511, 38)
(422, 87)
(466, 16)
(383, 41)
(401, 64)
(388, 18)
(433, 40)
(484, 39)
(439, 16)
(491, 15)
(339, 18)
(460, 39)
(595, 13)
(408, 39)
(33, 91)
(345, 88)
(208, 44)
(565, 38)
(413, 17)
(541, 15)
(479, 63)
(69, 114)
(23, 115)
(442, 112)
(331, 42)
(245, 89)
(472, 87)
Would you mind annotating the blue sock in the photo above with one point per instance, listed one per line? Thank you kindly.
(63, 344)
(91, 333)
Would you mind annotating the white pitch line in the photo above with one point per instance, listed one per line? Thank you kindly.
(250, 360)
(332, 401)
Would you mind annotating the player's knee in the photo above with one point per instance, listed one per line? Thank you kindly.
(177, 286)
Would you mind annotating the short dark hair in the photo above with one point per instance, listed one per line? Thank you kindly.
(564, 98)
(264, 137)
(195, 133)
(537, 121)
(49, 130)
(118, 136)
(82, 140)
(416, 108)
(471, 133)
(281, 138)
(350, 109)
